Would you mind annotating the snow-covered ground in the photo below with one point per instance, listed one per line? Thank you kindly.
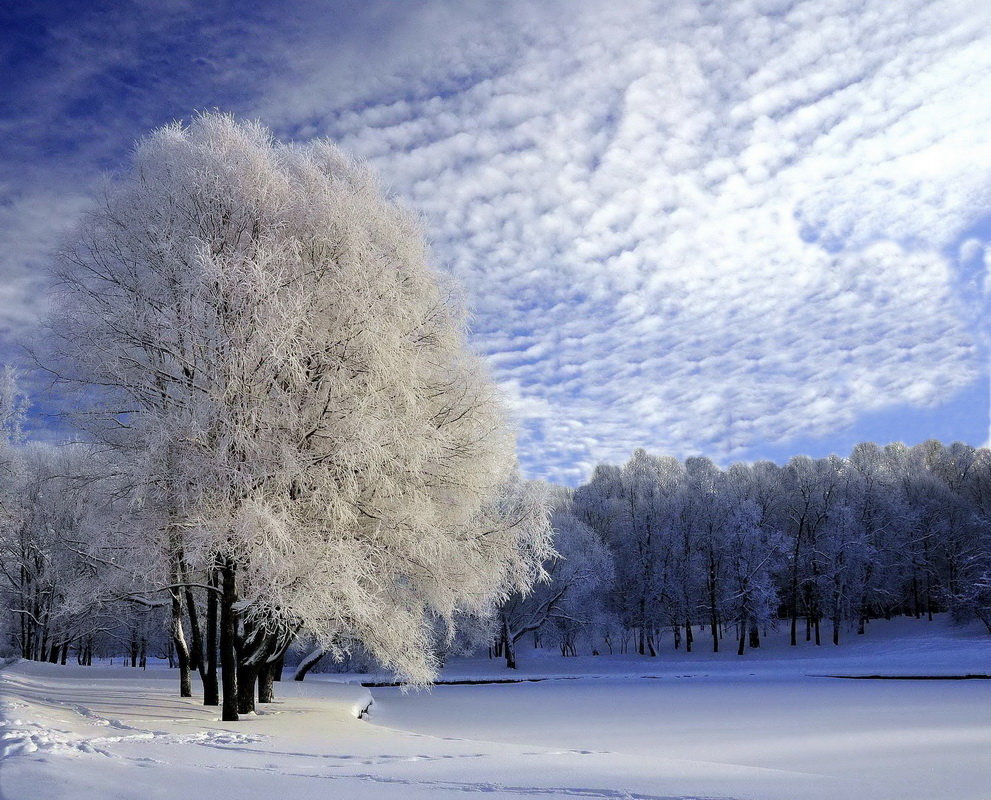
(767, 725)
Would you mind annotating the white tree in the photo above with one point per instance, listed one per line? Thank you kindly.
(51, 563)
(755, 550)
(569, 597)
(289, 380)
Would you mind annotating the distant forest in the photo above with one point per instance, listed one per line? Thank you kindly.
(818, 545)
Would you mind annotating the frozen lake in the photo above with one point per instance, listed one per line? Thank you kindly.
(756, 737)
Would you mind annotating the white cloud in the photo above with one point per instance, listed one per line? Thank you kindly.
(694, 228)
(31, 224)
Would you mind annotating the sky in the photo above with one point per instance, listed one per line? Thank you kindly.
(746, 229)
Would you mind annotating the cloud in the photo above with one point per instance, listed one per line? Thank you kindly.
(691, 227)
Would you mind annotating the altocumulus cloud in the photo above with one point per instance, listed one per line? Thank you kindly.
(694, 227)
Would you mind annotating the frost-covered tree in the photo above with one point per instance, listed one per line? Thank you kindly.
(569, 598)
(288, 380)
(811, 491)
(53, 568)
(755, 550)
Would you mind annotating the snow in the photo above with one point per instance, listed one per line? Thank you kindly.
(767, 725)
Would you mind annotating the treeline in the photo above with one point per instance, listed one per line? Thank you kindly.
(819, 545)
(655, 549)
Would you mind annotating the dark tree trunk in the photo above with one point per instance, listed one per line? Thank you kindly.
(211, 692)
(195, 636)
(915, 594)
(247, 675)
(508, 644)
(271, 667)
(42, 645)
(754, 636)
(228, 632)
(266, 678)
(253, 651)
(795, 583)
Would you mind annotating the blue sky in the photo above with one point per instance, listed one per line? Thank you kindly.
(746, 229)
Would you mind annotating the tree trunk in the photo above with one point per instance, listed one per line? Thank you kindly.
(794, 589)
(754, 636)
(43, 643)
(211, 692)
(228, 632)
(266, 678)
(253, 650)
(271, 666)
(508, 644)
(308, 663)
(915, 594)
(195, 636)
(179, 639)
(247, 675)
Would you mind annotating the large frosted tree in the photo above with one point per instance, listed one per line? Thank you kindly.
(287, 379)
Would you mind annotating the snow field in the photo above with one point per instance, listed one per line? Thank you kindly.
(763, 727)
